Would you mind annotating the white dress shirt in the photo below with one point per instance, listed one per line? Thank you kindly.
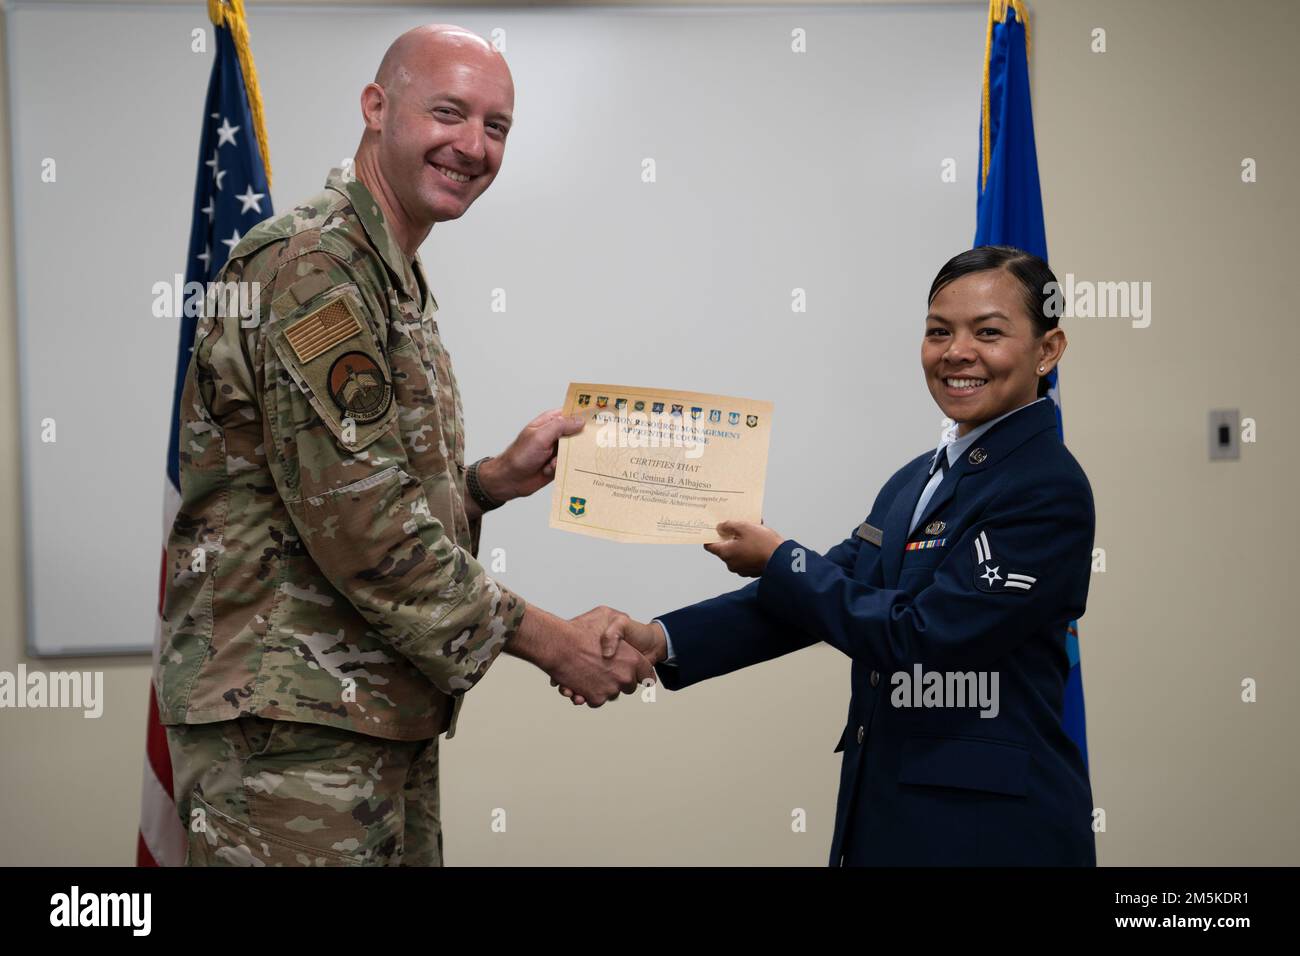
(955, 447)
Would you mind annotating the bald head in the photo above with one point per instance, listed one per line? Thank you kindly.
(426, 46)
(437, 116)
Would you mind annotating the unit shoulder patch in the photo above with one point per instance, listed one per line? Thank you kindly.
(359, 387)
(331, 355)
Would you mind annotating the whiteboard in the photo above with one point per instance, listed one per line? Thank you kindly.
(776, 170)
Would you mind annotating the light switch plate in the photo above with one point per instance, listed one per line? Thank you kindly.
(1225, 434)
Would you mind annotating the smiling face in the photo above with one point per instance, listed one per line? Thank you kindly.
(442, 106)
(981, 351)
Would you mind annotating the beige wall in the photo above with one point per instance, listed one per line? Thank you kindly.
(1139, 150)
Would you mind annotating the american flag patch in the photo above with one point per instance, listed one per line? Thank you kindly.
(325, 328)
(923, 545)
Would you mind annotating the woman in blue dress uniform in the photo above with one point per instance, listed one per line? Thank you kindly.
(952, 598)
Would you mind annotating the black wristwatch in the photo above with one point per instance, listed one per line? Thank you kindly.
(481, 498)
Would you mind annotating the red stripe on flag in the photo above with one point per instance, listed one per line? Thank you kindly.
(156, 747)
(158, 805)
(160, 765)
(162, 578)
(142, 855)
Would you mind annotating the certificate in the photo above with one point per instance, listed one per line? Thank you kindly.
(658, 466)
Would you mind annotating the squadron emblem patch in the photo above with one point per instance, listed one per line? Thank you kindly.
(357, 385)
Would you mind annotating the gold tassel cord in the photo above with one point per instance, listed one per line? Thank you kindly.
(997, 13)
(230, 14)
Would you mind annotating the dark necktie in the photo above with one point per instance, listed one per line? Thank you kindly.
(943, 462)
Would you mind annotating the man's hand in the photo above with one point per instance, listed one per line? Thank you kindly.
(529, 463)
(746, 547)
(573, 656)
(616, 631)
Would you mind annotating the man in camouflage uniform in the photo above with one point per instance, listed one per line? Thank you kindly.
(324, 612)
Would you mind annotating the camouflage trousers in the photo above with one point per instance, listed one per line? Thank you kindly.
(258, 792)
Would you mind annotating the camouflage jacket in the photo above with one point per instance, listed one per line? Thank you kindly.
(322, 566)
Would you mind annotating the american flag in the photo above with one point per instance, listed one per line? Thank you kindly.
(231, 195)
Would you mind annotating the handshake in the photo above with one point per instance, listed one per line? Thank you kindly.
(593, 657)
(598, 655)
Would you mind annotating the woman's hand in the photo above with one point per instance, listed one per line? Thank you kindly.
(745, 547)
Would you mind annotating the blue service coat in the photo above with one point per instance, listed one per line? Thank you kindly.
(938, 785)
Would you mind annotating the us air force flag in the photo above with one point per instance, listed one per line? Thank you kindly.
(1009, 212)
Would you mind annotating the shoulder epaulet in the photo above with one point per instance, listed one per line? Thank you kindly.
(299, 230)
